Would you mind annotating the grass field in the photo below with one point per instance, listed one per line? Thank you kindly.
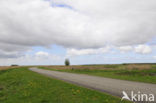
(132, 72)
(23, 86)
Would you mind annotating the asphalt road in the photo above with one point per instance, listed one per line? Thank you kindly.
(107, 85)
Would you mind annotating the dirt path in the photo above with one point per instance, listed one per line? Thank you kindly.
(111, 86)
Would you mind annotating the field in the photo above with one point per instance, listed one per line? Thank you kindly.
(6, 67)
(132, 72)
(19, 85)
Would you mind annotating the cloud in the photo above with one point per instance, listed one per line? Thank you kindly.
(42, 54)
(78, 52)
(125, 48)
(88, 24)
(154, 57)
(4, 54)
(140, 49)
(143, 49)
(38, 58)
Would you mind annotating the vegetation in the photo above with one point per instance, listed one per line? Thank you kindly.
(14, 65)
(140, 72)
(23, 86)
(67, 62)
(7, 67)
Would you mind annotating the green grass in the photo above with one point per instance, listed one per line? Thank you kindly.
(146, 75)
(24, 86)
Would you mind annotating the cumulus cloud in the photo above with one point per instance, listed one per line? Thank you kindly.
(125, 48)
(4, 54)
(143, 49)
(38, 58)
(80, 24)
(78, 52)
(140, 49)
(42, 54)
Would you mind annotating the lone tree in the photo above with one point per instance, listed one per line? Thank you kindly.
(67, 62)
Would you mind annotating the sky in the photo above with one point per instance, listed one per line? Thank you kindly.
(46, 32)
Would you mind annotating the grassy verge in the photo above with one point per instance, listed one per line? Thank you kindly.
(140, 75)
(24, 86)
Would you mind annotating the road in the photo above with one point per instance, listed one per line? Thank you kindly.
(107, 85)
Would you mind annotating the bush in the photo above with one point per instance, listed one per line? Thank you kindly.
(14, 65)
(67, 62)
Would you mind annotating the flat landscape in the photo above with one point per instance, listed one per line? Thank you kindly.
(77, 51)
(107, 85)
(132, 72)
(20, 85)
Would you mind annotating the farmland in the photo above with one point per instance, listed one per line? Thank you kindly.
(133, 72)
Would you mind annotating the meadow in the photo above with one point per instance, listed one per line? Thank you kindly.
(20, 85)
(132, 72)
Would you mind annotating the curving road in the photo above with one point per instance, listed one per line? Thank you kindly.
(107, 85)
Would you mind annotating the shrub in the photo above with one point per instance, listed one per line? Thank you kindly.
(14, 65)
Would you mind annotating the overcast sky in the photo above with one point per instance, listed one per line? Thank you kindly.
(34, 32)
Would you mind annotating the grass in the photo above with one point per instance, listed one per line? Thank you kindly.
(139, 73)
(23, 86)
(7, 67)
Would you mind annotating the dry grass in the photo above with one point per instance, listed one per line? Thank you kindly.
(104, 67)
(4, 67)
(139, 66)
(8, 67)
(75, 67)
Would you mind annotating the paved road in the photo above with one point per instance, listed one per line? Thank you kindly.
(111, 86)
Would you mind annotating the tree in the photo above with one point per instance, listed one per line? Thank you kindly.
(67, 62)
